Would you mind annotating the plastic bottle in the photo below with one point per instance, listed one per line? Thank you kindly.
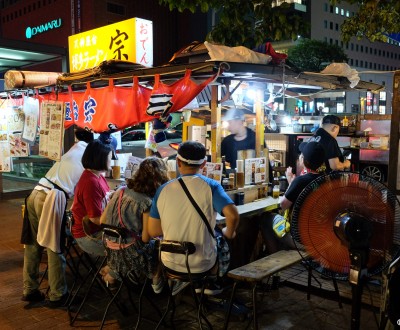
(345, 122)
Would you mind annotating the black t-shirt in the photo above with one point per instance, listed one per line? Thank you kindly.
(230, 147)
(330, 145)
(298, 184)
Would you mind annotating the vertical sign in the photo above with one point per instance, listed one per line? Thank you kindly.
(144, 42)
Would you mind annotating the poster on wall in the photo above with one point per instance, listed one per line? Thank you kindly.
(5, 156)
(51, 129)
(213, 171)
(31, 110)
(255, 170)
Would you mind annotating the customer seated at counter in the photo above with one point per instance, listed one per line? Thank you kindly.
(326, 135)
(129, 208)
(173, 216)
(312, 160)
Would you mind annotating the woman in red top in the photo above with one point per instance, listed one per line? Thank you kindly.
(91, 197)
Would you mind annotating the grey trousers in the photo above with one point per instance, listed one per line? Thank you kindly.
(33, 255)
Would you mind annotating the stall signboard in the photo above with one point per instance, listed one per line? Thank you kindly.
(130, 40)
(51, 129)
(255, 170)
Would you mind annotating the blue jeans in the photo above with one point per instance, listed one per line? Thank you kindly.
(92, 245)
(33, 254)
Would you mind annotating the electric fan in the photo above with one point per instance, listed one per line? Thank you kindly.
(349, 225)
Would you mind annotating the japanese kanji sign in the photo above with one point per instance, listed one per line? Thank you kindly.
(129, 40)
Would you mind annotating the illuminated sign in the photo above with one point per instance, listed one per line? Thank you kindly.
(34, 30)
(130, 40)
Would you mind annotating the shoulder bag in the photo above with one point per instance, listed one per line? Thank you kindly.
(223, 252)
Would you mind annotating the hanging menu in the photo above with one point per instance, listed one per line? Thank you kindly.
(51, 129)
(31, 110)
(5, 155)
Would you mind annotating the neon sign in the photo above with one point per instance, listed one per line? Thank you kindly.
(32, 31)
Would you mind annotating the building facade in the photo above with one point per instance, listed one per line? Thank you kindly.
(50, 22)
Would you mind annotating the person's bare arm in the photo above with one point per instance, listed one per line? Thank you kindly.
(285, 203)
(145, 231)
(336, 165)
(154, 227)
(95, 220)
(231, 221)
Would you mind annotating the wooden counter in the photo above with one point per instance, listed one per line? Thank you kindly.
(259, 206)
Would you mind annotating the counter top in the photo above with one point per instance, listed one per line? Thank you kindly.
(259, 206)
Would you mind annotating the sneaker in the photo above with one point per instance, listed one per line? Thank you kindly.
(158, 286)
(60, 302)
(34, 296)
(211, 289)
(178, 286)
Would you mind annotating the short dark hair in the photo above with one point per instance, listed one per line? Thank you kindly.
(192, 150)
(331, 119)
(95, 156)
(151, 174)
(83, 135)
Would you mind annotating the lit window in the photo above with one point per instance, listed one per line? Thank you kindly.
(336, 10)
(347, 13)
(342, 12)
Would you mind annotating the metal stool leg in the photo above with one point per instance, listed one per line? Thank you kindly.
(228, 313)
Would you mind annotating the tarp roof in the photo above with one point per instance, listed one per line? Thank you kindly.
(255, 73)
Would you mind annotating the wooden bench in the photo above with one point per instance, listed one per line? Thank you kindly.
(258, 270)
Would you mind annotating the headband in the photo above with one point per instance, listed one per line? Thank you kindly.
(190, 161)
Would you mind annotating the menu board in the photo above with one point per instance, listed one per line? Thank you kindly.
(18, 147)
(31, 110)
(51, 129)
(132, 166)
(213, 171)
(255, 170)
(5, 155)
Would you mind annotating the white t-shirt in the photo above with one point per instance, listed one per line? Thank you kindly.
(181, 222)
(67, 171)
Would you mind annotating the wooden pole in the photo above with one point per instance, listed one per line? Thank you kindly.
(215, 124)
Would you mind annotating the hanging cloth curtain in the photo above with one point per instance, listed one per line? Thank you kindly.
(166, 99)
